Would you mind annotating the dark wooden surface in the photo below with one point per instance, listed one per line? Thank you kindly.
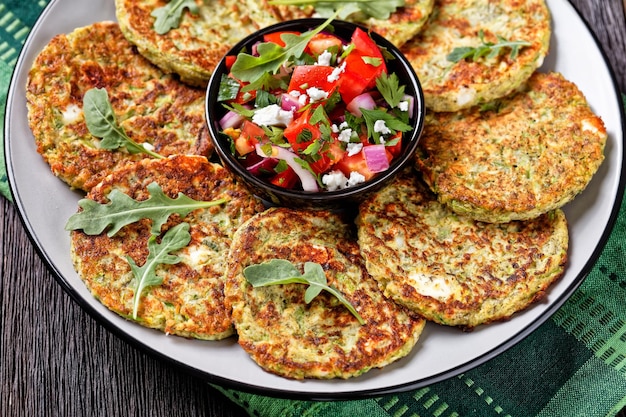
(55, 360)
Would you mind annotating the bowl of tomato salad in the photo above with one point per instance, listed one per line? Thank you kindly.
(315, 113)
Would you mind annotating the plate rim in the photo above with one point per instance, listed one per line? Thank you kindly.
(315, 396)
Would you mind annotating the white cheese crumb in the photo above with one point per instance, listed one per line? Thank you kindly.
(345, 135)
(324, 58)
(587, 126)
(381, 127)
(334, 180)
(355, 179)
(148, 146)
(316, 94)
(403, 105)
(272, 115)
(334, 76)
(71, 114)
(465, 95)
(354, 148)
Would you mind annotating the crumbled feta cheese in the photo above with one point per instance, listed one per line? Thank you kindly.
(334, 180)
(324, 58)
(465, 95)
(272, 115)
(334, 76)
(403, 105)
(344, 135)
(316, 94)
(71, 113)
(354, 148)
(355, 179)
(294, 93)
(302, 99)
(334, 128)
(148, 146)
(381, 127)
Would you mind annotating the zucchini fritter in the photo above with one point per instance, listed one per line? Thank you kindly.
(451, 269)
(190, 302)
(525, 155)
(450, 86)
(152, 107)
(322, 339)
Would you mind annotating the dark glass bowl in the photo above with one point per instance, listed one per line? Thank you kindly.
(344, 198)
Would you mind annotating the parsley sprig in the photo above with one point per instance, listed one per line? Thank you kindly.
(281, 271)
(487, 49)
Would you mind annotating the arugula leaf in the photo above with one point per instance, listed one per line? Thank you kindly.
(390, 88)
(158, 253)
(281, 271)
(271, 56)
(101, 122)
(168, 17)
(378, 9)
(487, 49)
(94, 217)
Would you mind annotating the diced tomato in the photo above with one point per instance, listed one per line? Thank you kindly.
(229, 61)
(251, 134)
(306, 76)
(286, 179)
(357, 163)
(244, 97)
(364, 44)
(275, 37)
(396, 149)
(359, 74)
(329, 156)
(322, 42)
(295, 132)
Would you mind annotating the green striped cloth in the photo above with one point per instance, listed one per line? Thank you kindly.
(573, 365)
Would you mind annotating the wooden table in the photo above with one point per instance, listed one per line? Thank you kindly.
(56, 360)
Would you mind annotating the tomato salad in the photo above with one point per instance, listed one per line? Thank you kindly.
(312, 111)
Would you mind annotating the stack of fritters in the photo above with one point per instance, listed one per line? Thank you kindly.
(504, 148)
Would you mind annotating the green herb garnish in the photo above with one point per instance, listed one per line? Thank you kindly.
(121, 210)
(101, 122)
(158, 253)
(271, 56)
(392, 122)
(390, 88)
(487, 49)
(280, 271)
(378, 9)
(168, 17)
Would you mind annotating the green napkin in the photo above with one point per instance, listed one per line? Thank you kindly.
(573, 365)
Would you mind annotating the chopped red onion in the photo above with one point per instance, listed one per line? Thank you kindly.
(308, 181)
(362, 101)
(231, 119)
(267, 164)
(376, 158)
(289, 102)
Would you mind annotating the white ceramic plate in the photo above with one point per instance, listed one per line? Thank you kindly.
(45, 203)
